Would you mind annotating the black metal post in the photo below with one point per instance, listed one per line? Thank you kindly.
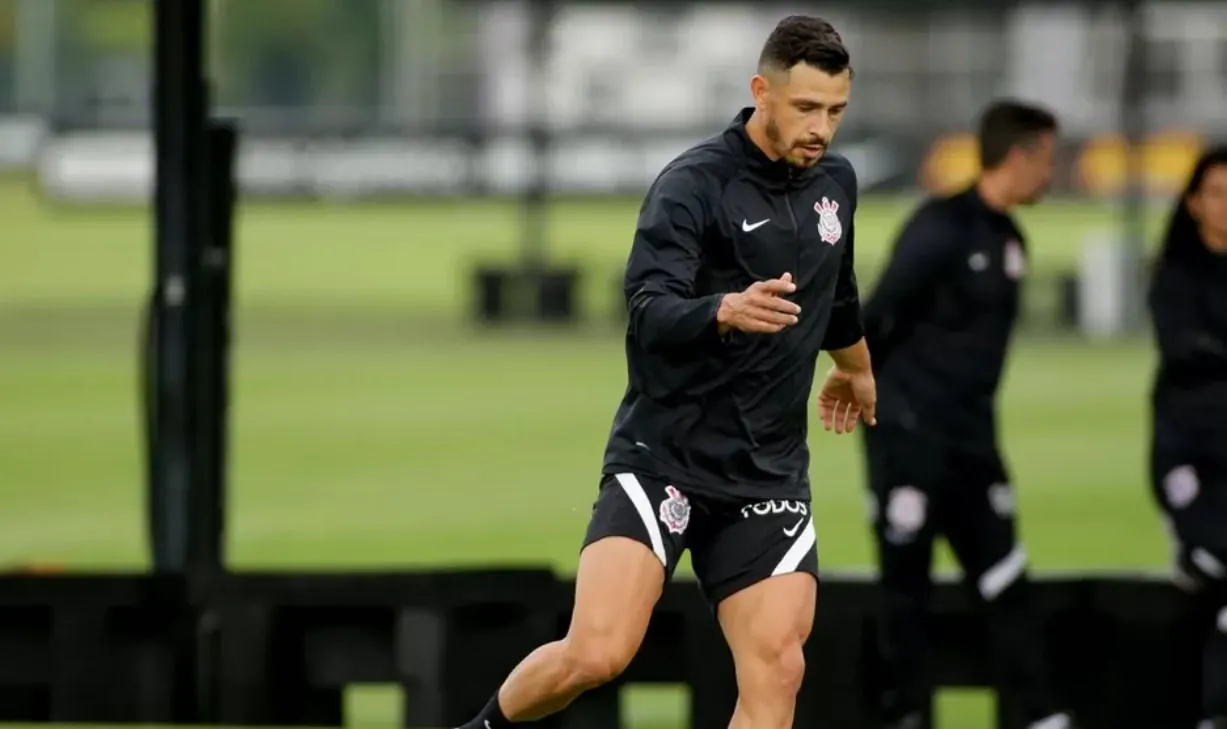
(176, 465)
(206, 550)
(534, 231)
(208, 503)
(1134, 128)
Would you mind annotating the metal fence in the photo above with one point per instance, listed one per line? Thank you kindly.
(350, 97)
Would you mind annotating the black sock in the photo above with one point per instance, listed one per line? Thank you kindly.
(490, 717)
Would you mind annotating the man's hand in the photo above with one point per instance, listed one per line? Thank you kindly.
(846, 397)
(759, 308)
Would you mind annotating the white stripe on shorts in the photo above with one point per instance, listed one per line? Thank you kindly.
(997, 578)
(804, 542)
(643, 505)
(1208, 563)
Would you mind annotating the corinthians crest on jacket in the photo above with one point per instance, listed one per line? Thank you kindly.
(829, 227)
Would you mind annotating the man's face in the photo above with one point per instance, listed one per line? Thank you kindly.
(1033, 166)
(1208, 205)
(802, 109)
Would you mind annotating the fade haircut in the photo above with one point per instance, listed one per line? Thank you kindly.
(804, 39)
(1007, 124)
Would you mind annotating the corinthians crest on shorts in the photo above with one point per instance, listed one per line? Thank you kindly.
(675, 511)
(829, 227)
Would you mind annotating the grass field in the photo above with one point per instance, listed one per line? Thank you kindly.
(373, 427)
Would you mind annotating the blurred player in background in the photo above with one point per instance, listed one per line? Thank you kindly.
(939, 324)
(1188, 304)
(740, 273)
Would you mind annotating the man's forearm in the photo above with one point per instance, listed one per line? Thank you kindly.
(666, 320)
(852, 359)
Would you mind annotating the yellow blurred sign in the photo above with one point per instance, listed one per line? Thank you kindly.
(952, 163)
(1166, 160)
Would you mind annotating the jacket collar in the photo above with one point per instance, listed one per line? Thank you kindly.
(775, 172)
(972, 196)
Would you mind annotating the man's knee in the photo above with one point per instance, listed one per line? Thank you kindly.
(618, 583)
(776, 670)
(1202, 575)
(904, 570)
(899, 595)
(594, 659)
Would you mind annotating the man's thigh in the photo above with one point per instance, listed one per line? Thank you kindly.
(766, 626)
(1191, 486)
(744, 543)
(907, 474)
(757, 563)
(980, 522)
(645, 509)
(1190, 483)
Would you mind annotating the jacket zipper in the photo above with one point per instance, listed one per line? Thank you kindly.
(796, 230)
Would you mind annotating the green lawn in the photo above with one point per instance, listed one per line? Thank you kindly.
(373, 426)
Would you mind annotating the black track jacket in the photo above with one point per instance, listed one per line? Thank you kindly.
(1188, 304)
(727, 416)
(940, 320)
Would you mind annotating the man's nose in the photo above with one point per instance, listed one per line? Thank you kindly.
(821, 130)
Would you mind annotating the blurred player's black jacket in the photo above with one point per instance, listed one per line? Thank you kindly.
(941, 318)
(728, 416)
(1188, 304)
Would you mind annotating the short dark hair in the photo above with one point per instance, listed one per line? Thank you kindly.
(1007, 124)
(804, 39)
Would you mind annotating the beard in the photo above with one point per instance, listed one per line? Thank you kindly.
(794, 153)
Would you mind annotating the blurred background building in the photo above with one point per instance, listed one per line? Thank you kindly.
(391, 146)
(428, 97)
(348, 100)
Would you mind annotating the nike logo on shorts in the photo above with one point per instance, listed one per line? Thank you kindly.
(792, 531)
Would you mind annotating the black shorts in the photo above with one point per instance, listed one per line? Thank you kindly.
(1189, 482)
(923, 487)
(733, 543)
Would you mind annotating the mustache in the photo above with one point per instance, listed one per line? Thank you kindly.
(817, 142)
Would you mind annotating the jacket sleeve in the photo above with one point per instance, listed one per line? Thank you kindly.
(659, 285)
(922, 252)
(1180, 330)
(844, 328)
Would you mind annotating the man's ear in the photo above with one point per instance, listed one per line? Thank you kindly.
(759, 86)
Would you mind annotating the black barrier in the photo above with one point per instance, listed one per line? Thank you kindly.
(122, 649)
(544, 295)
(95, 649)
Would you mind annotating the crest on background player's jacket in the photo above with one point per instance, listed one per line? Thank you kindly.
(1015, 262)
(829, 227)
(1181, 486)
(675, 511)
